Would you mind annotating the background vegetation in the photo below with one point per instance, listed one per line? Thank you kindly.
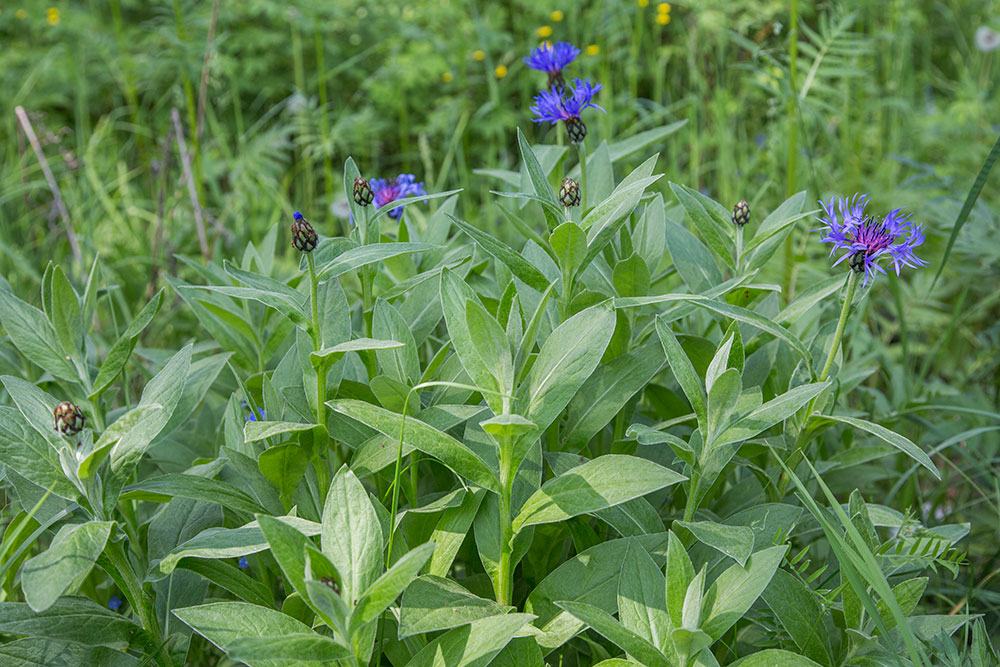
(157, 118)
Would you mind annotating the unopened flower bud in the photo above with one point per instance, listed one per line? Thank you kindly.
(857, 261)
(576, 129)
(741, 213)
(304, 237)
(69, 418)
(363, 194)
(569, 193)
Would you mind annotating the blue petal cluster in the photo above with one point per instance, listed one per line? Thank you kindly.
(552, 107)
(115, 603)
(552, 59)
(387, 191)
(866, 239)
(243, 564)
(252, 417)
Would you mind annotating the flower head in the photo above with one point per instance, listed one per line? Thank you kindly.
(387, 191)
(553, 106)
(867, 239)
(52, 16)
(987, 39)
(552, 60)
(69, 418)
(243, 564)
(115, 603)
(363, 194)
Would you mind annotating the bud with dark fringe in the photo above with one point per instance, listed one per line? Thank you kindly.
(304, 237)
(363, 194)
(576, 129)
(569, 193)
(741, 213)
(69, 418)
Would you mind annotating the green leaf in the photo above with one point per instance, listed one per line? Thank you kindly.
(23, 449)
(569, 243)
(400, 363)
(289, 649)
(680, 573)
(455, 293)
(180, 485)
(536, 175)
(500, 251)
(734, 541)
(692, 259)
(120, 352)
(452, 453)
(384, 591)
(255, 431)
(774, 657)
(907, 594)
(800, 614)
(604, 482)
(642, 602)
(434, 603)
(65, 564)
(716, 237)
(231, 578)
(491, 344)
(565, 361)
(36, 651)
(74, 619)
(631, 276)
(736, 589)
(66, 317)
(683, 370)
(767, 415)
(30, 332)
(451, 530)
(473, 645)
(352, 535)
(762, 323)
(904, 445)
(364, 255)
(403, 201)
(605, 625)
(222, 623)
(284, 466)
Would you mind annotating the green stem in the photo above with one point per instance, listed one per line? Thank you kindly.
(125, 577)
(317, 336)
(505, 583)
(850, 287)
(739, 249)
(692, 500)
(581, 150)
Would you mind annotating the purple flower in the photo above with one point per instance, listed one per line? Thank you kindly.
(866, 239)
(115, 603)
(386, 191)
(552, 60)
(553, 107)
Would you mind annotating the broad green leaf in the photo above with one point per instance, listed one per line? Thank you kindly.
(384, 591)
(734, 541)
(228, 576)
(455, 293)
(717, 238)
(290, 648)
(30, 332)
(767, 415)
(774, 657)
(683, 370)
(680, 573)
(569, 243)
(901, 443)
(604, 482)
(606, 626)
(473, 645)
(434, 603)
(693, 261)
(336, 352)
(400, 363)
(800, 614)
(642, 602)
(452, 453)
(907, 594)
(38, 651)
(566, 359)
(352, 535)
(631, 276)
(222, 623)
(736, 589)
(120, 352)
(723, 397)
(64, 564)
(451, 530)
(368, 254)
(491, 344)
(180, 485)
(255, 431)
(787, 213)
(287, 545)
(23, 449)
(75, 619)
(284, 466)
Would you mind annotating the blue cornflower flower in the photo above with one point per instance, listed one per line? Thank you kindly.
(404, 185)
(115, 603)
(243, 564)
(866, 239)
(552, 60)
(252, 417)
(552, 107)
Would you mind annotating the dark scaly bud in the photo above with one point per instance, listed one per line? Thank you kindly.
(858, 262)
(741, 213)
(576, 129)
(69, 418)
(569, 193)
(304, 237)
(363, 194)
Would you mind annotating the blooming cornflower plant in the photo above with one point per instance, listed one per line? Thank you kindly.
(552, 59)
(867, 239)
(552, 106)
(387, 191)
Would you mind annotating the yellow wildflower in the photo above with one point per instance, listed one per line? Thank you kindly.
(447, 77)
(643, 3)
(500, 71)
(544, 31)
(52, 16)
(21, 14)
(556, 16)
(663, 19)
(593, 50)
(479, 55)
(663, 7)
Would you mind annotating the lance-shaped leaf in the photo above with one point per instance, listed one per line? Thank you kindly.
(388, 587)
(901, 443)
(419, 435)
(122, 348)
(352, 535)
(605, 625)
(292, 648)
(604, 482)
(65, 564)
(355, 258)
(683, 371)
(473, 645)
(500, 251)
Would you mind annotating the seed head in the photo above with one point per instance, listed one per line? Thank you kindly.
(304, 237)
(363, 194)
(741, 213)
(569, 193)
(69, 418)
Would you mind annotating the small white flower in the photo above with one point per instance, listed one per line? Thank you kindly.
(987, 39)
